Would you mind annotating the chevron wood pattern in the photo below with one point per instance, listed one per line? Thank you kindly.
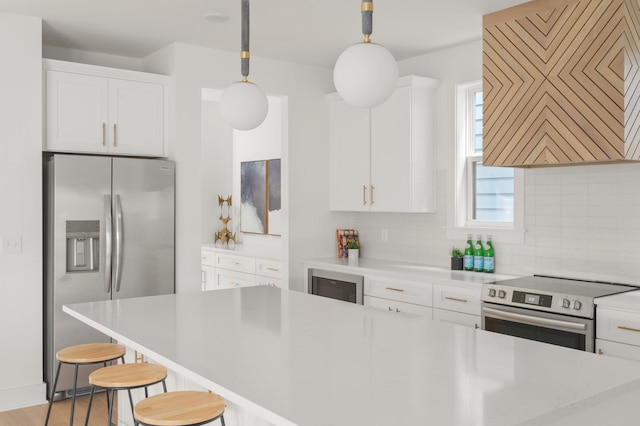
(561, 83)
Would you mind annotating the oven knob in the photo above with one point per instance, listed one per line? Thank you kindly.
(492, 292)
(502, 294)
(566, 303)
(577, 305)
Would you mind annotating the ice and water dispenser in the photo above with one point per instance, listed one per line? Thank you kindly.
(83, 245)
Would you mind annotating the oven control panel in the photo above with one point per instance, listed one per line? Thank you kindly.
(542, 301)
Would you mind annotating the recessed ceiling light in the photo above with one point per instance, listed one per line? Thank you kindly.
(215, 17)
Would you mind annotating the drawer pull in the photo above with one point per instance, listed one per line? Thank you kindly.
(394, 289)
(234, 284)
(622, 327)
(273, 269)
(476, 326)
(391, 310)
(600, 351)
(455, 299)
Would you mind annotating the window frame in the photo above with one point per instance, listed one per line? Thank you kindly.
(463, 222)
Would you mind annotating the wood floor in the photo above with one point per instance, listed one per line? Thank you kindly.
(35, 416)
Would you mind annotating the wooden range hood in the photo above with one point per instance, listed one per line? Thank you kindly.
(561, 83)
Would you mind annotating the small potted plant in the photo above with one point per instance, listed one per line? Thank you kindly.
(457, 257)
(353, 250)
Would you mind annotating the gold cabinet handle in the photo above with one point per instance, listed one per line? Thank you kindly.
(273, 269)
(394, 289)
(390, 310)
(115, 143)
(364, 195)
(139, 358)
(455, 299)
(476, 326)
(397, 310)
(600, 352)
(104, 133)
(234, 284)
(622, 327)
(371, 194)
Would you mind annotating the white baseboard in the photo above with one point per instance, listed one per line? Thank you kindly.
(26, 396)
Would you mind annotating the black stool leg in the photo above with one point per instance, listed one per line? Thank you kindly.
(53, 391)
(222, 419)
(73, 397)
(86, 422)
(110, 403)
(164, 386)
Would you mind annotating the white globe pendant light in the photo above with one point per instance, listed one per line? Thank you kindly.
(244, 105)
(366, 73)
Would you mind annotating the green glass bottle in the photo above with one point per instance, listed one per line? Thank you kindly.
(468, 255)
(489, 256)
(478, 255)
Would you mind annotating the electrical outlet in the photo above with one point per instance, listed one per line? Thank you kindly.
(384, 235)
(11, 244)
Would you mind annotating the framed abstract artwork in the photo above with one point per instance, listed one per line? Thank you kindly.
(260, 193)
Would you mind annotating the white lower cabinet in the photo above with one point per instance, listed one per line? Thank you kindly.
(458, 318)
(222, 269)
(457, 304)
(620, 350)
(618, 333)
(398, 295)
(396, 307)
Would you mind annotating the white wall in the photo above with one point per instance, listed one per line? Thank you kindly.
(21, 381)
(580, 221)
(304, 151)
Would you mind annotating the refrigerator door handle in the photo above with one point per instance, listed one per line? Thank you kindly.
(107, 242)
(118, 238)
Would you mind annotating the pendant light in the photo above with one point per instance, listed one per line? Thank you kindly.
(366, 73)
(244, 105)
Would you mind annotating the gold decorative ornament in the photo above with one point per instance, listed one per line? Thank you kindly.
(224, 235)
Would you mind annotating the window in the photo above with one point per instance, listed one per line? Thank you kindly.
(487, 197)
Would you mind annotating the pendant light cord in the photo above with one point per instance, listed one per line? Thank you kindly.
(244, 53)
(367, 19)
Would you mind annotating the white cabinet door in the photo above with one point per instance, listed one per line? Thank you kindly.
(136, 118)
(473, 321)
(620, 350)
(208, 278)
(391, 153)
(231, 279)
(349, 157)
(77, 112)
(395, 307)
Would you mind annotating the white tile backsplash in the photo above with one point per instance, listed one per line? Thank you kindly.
(580, 221)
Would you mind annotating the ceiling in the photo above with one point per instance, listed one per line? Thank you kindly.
(312, 32)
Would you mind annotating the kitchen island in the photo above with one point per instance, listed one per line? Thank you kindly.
(297, 359)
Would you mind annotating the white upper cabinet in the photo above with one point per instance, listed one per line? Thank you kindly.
(99, 110)
(383, 159)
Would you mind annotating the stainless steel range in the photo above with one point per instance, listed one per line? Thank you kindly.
(552, 310)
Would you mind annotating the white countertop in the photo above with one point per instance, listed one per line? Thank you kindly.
(629, 301)
(405, 270)
(299, 359)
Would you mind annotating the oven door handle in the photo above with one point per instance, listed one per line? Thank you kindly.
(534, 320)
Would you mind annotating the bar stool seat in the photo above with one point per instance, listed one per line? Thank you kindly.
(88, 353)
(180, 408)
(125, 377)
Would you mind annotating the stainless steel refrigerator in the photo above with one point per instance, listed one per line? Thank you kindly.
(109, 233)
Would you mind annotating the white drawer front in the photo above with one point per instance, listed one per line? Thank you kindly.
(473, 321)
(271, 282)
(269, 268)
(618, 326)
(236, 263)
(457, 299)
(619, 350)
(208, 258)
(231, 279)
(401, 290)
(395, 307)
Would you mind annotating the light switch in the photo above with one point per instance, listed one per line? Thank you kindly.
(11, 244)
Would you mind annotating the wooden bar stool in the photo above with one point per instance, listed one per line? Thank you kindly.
(125, 377)
(181, 408)
(90, 353)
